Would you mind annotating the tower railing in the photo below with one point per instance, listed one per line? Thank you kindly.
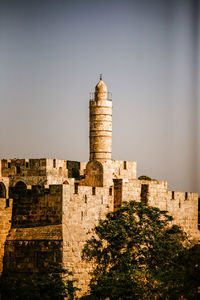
(109, 96)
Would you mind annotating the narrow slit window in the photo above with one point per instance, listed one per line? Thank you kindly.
(36, 259)
(93, 191)
(186, 196)
(75, 188)
(7, 202)
(9, 165)
(125, 165)
(27, 164)
(110, 191)
(54, 163)
(144, 193)
(172, 194)
(18, 170)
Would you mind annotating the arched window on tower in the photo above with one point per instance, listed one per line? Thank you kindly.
(2, 190)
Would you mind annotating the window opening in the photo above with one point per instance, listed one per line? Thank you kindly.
(76, 188)
(7, 202)
(54, 163)
(93, 191)
(60, 171)
(144, 193)
(2, 190)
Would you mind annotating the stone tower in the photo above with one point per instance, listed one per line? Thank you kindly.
(100, 124)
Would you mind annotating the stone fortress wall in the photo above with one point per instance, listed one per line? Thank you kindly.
(51, 222)
(5, 215)
(48, 207)
(182, 206)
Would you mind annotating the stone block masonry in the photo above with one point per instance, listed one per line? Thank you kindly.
(100, 124)
(49, 207)
(5, 224)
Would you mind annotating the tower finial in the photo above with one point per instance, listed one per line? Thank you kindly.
(100, 76)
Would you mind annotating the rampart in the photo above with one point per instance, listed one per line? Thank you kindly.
(52, 225)
(182, 206)
(35, 239)
(5, 216)
(49, 207)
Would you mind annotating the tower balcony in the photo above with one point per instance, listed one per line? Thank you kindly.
(109, 96)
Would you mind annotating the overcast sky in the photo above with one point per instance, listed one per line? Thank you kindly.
(51, 55)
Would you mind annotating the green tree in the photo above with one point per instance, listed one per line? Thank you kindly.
(55, 283)
(191, 262)
(144, 177)
(137, 255)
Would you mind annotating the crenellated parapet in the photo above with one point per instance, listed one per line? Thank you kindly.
(49, 207)
(40, 171)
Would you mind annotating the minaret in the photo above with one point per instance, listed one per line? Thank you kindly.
(100, 124)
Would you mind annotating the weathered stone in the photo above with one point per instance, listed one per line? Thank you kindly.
(49, 207)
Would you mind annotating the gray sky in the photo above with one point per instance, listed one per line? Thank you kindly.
(51, 55)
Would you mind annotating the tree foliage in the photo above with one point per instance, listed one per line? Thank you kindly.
(191, 262)
(138, 254)
(55, 283)
(144, 177)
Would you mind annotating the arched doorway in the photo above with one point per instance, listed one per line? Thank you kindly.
(19, 190)
(2, 190)
(20, 186)
(18, 195)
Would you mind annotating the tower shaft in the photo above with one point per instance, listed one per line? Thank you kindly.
(100, 124)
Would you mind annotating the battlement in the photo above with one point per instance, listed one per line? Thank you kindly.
(49, 207)
(24, 167)
(36, 205)
(124, 169)
(182, 196)
(77, 190)
(40, 167)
